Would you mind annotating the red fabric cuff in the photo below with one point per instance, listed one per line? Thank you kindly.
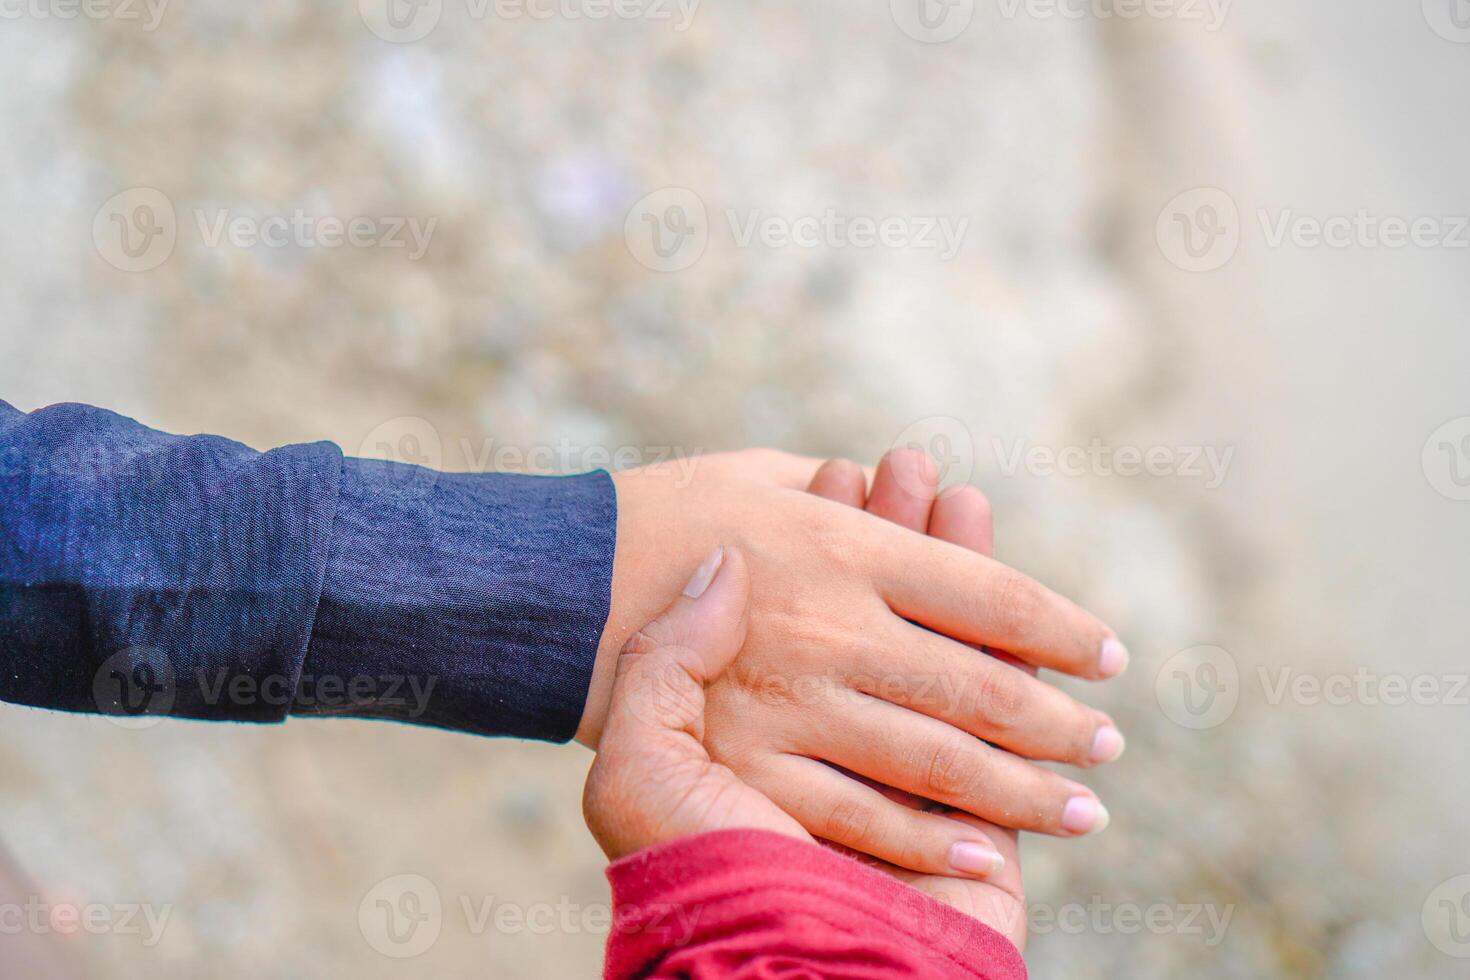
(751, 903)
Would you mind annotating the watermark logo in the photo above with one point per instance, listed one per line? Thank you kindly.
(1208, 464)
(401, 916)
(1199, 687)
(932, 21)
(1446, 917)
(1450, 19)
(1199, 230)
(1446, 459)
(830, 229)
(1363, 229)
(406, 21)
(135, 687)
(947, 441)
(412, 442)
(150, 12)
(1210, 13)
(668, 230)
(302, 230)
(41, 917)
(401, 21)
(135, 230)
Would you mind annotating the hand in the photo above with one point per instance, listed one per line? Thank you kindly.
(844, 663)
(652, 780)
(905, 491)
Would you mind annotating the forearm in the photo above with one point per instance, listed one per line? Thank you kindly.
(135, 564)
(196, 577)
(472, 602)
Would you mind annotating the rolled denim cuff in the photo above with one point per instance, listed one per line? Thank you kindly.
(473, 602)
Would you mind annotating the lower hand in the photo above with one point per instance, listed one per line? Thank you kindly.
(653, 781)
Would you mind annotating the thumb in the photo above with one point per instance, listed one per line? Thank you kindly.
(652, 779)
(666, 665)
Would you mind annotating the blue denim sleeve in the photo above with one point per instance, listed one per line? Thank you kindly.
(143, 573)
(466, 601)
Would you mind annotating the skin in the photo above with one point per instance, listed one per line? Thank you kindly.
(848, 660)
(654, 780)
(905, 492)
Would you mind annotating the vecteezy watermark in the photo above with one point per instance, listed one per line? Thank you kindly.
(565, 456)
(669, 230)
(1446, 459)
(413, 446)
(417, 450)
(148, 12)
(1450, 19)
(938, 21)
(407, 695)
(402, 916)
(39, 916)
(301, 229)
(932, 21)
(139, 686)
(948, 442)
(136, 230)
(1362, 229)
(406, 21)
(1446, 917)
(1206, 920)
(1198, 687)
(135, 687)
(1210, 14)
(1364, 686)
(1209, 464)
(831, 229)
(1201, 230)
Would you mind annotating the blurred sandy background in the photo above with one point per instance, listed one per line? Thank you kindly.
(1331, 546)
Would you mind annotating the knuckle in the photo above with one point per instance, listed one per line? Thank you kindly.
(843, 468)
(974, 500)
(1084, 729)
(645, 641)
(999, 701)
(1017, 602)
(850, 822)
(950, 773)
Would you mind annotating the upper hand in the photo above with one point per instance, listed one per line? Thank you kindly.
(849, 660)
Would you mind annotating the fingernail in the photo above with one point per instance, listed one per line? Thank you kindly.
(975, 859)
(1084, 815)
(1107, 745)
(1113, 659)
(705, 573)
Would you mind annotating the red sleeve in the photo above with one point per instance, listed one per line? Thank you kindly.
(754, 904)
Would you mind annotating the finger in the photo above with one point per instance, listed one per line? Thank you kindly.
(665, 666)
(839, 809)
(904, 488)
(978, 600)
(939, 762)
(962, 516)
(1005, 705)
(841, 480)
